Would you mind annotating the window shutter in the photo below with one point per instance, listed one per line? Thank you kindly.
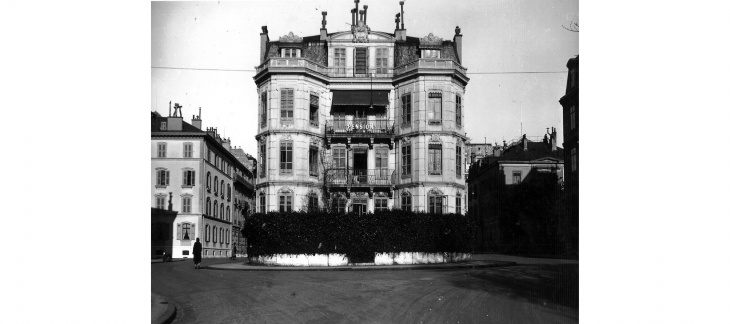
(192, 232)
(192, 178)
(167, 178)
(179, 230)
(159, 174)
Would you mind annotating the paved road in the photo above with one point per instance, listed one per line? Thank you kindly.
(535, 293)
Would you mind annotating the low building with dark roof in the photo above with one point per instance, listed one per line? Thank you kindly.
(495, 177)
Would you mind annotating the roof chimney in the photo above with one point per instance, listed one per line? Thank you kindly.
(554, 140)
(457, 44)
(357, 9)
(175, 122)
(264, 42)
(524, 142)
(323, 30)
(365, 18)
(169, 111)
(353, 16)
(400, 33)
(197, 122)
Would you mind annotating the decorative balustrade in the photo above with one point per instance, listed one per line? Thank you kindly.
(359, 177)
(275, 63)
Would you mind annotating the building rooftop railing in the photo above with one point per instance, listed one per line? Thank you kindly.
(275, 63)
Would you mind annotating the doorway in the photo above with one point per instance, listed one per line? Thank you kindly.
(360, 165)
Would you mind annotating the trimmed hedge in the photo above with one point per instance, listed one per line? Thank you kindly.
(356, 235)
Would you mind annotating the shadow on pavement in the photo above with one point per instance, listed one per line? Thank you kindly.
(540, 284)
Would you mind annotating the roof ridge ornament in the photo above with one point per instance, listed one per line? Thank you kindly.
(431, 40)
(290, 38)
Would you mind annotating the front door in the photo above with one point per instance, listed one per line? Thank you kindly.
(359, 209)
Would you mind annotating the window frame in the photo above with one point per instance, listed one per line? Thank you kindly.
(516, 177)
(188, 178)
(163, 125)
(458, 160)
(381, 60)
(290, 52)
(458, 203)
(381, 200)
(574, 159)
(160, 200)
(406, 109)
(406, 202)
(262, 164)
(313, 162)
(572, 117)
(161, 149)
(262, 203)
(286, 106)
(339, 60)
(458, 111)
(187, 150)
(313, 110)
(207, 232)
(162, 177)
(436, 204)
(359, 68)
(435, 108)
(406, 160)
(186, 204)
(312, 202)
(263, 105)
(285, 202)
(286, 157)
(435, 159)
(430, 53)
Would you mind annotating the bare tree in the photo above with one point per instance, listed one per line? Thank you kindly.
(327, 173)
(573, 27)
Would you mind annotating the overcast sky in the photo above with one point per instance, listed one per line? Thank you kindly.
(499, 36)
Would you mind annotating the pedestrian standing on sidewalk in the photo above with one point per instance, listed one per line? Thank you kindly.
(233, 257)
(197, 251)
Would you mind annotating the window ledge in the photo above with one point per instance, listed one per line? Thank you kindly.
(185, 186)
(405, 176)
(434, 173)
(434, 122)
(160, 186)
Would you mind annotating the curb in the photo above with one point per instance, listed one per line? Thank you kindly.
(170, 312)
(491, 264)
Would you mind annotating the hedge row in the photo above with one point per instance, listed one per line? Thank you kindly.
(356, 235)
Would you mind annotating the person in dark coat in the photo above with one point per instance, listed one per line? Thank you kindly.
(197, 251)
(233, 257)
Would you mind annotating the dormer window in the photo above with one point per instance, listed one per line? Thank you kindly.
(430, 53)
(290, 52)
(163, 125)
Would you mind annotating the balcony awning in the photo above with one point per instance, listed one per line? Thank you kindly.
(359, 97)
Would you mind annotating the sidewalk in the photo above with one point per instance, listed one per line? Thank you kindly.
(163, 311)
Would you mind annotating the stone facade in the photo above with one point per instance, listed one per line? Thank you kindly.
(363, 115)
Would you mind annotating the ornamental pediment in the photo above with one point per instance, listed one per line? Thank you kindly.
(431, 40)
(290, 38)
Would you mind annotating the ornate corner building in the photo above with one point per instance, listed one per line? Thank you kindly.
(363, 120)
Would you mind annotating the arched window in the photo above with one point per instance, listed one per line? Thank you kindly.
(221, 237)
(436, 201)
(215, 208)
(338, 203)
(228, 213)
(223, 211)
(406, 201)
(286, 197)
(229, 192)
(215, 234)
(223, 188)
(207, 233)
(207, 206)
(215, 185)
(207, 182)
(458, 203)
(262, 202)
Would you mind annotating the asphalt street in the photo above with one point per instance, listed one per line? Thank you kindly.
(532, 293)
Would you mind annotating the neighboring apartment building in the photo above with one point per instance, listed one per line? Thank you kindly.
(493, 175)
(243, 200)
(570, 105)
(194, 179)
(361, 120)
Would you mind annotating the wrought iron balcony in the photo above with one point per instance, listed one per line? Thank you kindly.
(360, 177)
(298, 63)
(359, 127)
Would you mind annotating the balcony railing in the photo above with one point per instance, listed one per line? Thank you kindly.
(361, 127)
(431, 63)
(360, 177)
(246, 183)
